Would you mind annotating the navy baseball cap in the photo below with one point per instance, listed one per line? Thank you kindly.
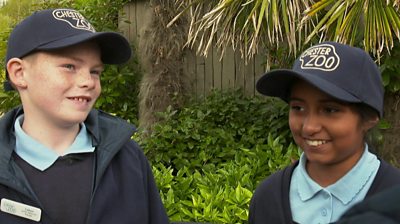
(52, 29)
(346, 73)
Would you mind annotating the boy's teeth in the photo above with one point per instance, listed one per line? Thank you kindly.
(79, 99)
(315, 143)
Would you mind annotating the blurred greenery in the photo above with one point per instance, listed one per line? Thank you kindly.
(390, 68)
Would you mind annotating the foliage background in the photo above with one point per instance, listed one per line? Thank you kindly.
(207, 156)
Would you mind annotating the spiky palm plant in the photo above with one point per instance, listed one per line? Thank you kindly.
(249, 25)
(375, 22)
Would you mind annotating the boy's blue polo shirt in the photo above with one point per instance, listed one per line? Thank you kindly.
(310, 203)
(42, 157)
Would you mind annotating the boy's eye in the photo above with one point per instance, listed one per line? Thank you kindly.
(96, 72)
(69, 66)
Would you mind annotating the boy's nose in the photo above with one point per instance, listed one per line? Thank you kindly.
(86, 80)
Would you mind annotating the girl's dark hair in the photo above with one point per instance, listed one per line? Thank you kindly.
(368, 113)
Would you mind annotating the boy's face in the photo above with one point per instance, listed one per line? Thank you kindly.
(330, 132)
(62, 85)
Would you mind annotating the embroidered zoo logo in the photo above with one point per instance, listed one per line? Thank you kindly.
(73, 18)
(322, 57)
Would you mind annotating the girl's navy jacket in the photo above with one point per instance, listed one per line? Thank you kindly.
(270, 203)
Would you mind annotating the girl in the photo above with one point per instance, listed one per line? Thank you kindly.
(335, 96)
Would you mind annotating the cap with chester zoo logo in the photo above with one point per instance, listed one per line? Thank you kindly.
(52, 29)
(344, 72)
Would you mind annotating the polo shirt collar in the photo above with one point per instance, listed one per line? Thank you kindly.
(347, 187)
(307, 187)
(42, 157)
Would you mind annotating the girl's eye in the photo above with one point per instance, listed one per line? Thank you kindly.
(296, 105)
(330, 110)
(296, 108)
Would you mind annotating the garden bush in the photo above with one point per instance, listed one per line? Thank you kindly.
(208, 157)
(209, 132)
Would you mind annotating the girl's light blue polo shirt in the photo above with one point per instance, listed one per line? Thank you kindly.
(310, 203)
(42, 157)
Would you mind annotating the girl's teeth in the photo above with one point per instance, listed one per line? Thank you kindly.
(315, 143)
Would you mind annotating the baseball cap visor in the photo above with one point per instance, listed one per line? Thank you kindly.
(114, 47)
(277, 83)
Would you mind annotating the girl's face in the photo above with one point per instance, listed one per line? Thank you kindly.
(329, 131)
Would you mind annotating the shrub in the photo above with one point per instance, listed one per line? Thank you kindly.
(220, 194)
(209, 156)
(211, 131)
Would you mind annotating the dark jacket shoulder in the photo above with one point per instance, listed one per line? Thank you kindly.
(383, 207)
(387, 177)
(270, 202)
(381, 204)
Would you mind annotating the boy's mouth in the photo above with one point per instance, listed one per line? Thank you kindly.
(80, 99)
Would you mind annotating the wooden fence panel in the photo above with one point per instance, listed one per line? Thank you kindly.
(190, 69)
(209, 73)
(259, 70)
(218, 71)
(229, 69)
(205, 73)
(134, 19)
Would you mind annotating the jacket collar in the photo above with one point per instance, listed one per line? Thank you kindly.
(10, 174)
(7, 135)
(108, 132)
(102, 126)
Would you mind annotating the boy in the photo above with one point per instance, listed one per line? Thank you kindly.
(60, 160)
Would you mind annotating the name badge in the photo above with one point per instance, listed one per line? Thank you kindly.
(21, 210)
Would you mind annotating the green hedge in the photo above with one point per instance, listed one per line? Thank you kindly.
(209, 156)
(209, 132)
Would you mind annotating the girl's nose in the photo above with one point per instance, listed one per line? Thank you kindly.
(311, 125)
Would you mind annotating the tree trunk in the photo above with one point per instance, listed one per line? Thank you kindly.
(389, 149)
(162, 55)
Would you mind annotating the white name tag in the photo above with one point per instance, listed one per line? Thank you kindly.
(21, 210)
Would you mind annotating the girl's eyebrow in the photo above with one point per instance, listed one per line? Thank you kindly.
(327, 100)
(295, 99)
(332, 101)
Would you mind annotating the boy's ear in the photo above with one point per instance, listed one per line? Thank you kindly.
(16, 73)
